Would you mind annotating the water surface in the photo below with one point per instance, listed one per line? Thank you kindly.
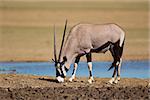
(130, 69)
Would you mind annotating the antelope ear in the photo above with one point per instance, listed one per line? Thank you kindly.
(64, 58)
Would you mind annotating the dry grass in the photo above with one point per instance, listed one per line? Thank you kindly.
(26, 27)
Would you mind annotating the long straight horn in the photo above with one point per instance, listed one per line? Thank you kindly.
(62, 41)
(55, 55)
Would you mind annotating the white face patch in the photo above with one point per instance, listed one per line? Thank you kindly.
(58, 68)
(63, 70)
(59, 71)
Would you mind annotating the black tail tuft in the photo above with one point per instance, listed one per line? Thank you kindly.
(110, 68)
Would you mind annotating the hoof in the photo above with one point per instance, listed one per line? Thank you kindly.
(90, 80)
(148, 85)
(71, 79)
(116, 81)
(111, 81)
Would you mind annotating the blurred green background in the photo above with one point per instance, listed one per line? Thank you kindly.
(26, 26)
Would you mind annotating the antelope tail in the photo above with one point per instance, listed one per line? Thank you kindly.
(122, 38)
(120, 54)
(110, 67)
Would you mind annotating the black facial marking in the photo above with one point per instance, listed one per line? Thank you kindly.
(57, 73)
(66, 69)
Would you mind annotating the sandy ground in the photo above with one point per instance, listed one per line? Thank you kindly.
(27, 87)
(26, 28)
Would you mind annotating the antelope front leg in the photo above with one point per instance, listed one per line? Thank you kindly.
(91, 79)
(74, 72)
(75, 68)
(89, 61)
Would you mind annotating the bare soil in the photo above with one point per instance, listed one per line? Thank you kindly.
(28, 87)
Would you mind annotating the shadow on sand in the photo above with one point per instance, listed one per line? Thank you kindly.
(49, 80)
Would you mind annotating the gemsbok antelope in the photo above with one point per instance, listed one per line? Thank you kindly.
(85, 39)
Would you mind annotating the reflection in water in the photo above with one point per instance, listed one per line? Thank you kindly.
(8, 71)
(133, 69)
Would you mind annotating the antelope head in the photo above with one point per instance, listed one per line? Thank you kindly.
(59, 65)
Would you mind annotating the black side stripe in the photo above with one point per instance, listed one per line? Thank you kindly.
(101, 47)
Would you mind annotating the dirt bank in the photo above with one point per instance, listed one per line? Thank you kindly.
(27, 87)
